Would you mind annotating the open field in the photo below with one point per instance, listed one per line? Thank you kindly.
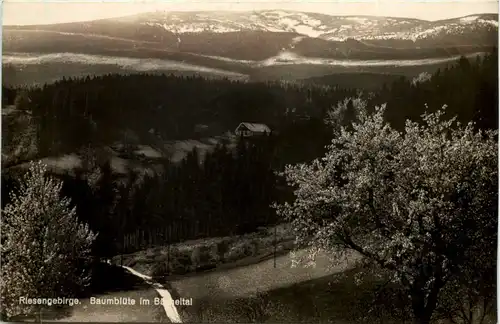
(327, 298)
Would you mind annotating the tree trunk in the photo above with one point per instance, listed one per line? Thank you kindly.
(420, 321)
(422, 309)
(275, 242)
(422, 315)
(38, 315)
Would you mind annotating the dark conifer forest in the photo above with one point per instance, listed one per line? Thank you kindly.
(229, 190)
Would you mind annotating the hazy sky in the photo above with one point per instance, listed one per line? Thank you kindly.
(16, 12)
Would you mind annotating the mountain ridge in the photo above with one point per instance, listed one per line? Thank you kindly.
(253, 11)
(313, 25)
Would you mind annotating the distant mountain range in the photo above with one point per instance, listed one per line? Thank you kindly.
(241, 42)
(315, 25)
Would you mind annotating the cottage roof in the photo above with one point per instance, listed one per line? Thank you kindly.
(257, 128)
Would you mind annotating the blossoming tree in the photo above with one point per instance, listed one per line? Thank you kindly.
(45, 249)
(421, 206)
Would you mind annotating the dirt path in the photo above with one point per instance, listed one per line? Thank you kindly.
(167, 301)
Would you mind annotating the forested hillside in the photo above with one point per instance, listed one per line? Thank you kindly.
(230, 190)
(469, 90)
(100, 109)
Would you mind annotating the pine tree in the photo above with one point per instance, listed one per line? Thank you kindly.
(45, 250)
(349, 115)
(105, 193)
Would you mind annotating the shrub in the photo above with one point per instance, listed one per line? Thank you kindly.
(196, 255)
(257, 309)
(223, 248)
(213, 255)
(160, 270)
(180, 262)
(238, 251)
(252, 248)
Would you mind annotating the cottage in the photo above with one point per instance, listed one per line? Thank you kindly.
(252, 129)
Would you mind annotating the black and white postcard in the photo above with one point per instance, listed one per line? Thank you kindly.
(249, 161)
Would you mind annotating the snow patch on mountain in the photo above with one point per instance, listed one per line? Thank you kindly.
(295, 41)
(308, 30)
(358, 20)
(288, 23)
(468, 19)
(312, 22)
(317, 25)
(494, 23)
(193, 28)
(428, 32)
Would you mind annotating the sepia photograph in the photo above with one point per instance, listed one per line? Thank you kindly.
(182, 161)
